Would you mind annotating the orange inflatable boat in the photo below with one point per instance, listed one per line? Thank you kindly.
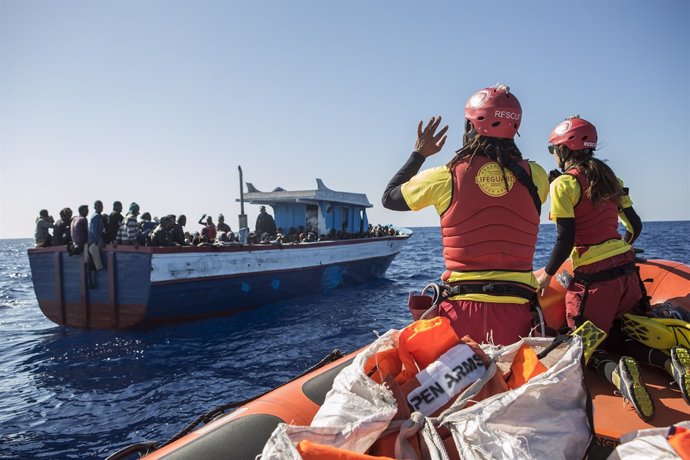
(243, 433)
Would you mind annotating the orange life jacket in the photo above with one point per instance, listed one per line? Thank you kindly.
(313, 451)
(485, 227)
(680, 441)
(525, 365)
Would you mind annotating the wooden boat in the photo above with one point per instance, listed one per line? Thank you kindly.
(243, 433)
(148, 286)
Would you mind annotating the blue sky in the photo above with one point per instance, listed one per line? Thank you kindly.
(158, 102)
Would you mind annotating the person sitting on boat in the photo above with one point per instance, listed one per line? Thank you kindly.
(113, 223)
(61, 233)
(253, 238)
(222, 226)
(79, 230)
(128, 233)
(178, 229)
(225, 239)
(203, 240)
(146, 226)
(265, 223)
(203, 237)
(162, 234)
(210, 227)
(291, 236)
(488, 198)
(586, 202)
(95, 241)
(44, 222)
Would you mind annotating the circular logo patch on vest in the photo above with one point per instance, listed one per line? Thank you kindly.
(490, 180)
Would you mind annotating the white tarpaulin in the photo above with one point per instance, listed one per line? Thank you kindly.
(544, 418)
(647, 444)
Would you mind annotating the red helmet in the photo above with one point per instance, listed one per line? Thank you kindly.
(494, 112)
(575, 133)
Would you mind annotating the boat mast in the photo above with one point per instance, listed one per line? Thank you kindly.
(242, 217)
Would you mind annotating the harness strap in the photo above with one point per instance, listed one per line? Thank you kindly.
(586, 279)
(444, 291)
(645, 303)
(605, 275)
(500, 289)
(491, 288)
(526, 180)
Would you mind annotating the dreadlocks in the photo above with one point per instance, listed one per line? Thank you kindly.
(502, 151)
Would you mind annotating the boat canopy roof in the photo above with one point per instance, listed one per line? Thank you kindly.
(321, 194)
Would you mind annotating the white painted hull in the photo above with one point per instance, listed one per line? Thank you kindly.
(180, 266)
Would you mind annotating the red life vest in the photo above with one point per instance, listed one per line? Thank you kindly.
(485, 228)
(594, 224)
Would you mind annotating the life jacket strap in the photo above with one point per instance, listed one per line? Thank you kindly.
(441, 292)
(502, 289)
(526, 180)
(491, 288)
(608, 274)
(605, 275)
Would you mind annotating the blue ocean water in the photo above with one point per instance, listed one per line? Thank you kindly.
(67, 393)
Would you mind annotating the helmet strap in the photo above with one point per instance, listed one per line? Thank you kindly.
(469, 134)
(562, 158)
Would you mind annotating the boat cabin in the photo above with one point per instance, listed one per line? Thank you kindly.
(322, 211)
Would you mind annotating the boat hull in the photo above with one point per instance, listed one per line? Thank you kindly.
(148, 286)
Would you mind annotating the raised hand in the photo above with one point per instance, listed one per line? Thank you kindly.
(428, 141)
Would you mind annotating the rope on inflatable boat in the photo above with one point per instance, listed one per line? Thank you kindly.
(220, 410)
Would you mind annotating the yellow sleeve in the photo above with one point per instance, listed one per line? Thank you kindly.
(626, 202)
(432, 186)
(540, 179)
(565, 194)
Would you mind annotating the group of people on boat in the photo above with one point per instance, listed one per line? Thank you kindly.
(489, 200)
(134, 228)
(82, 234)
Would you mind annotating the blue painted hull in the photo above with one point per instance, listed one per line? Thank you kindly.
(130, 292)
(70, 294)
(227, 295)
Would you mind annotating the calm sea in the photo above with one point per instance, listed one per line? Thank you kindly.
(68, 393)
